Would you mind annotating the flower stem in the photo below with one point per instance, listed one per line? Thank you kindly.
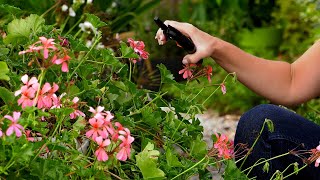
(190, 168)
(75, 25)
(295, 171)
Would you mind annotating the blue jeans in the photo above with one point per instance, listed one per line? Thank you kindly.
(291, 132)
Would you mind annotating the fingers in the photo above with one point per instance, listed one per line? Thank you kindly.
(160, 37)
(191, 58)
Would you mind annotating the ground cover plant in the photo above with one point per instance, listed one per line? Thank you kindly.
(70, 108)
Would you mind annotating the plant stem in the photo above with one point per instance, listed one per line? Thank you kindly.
(85, 57)
(179, 124)
(210, 96)
(266, 161)
(295, 171)
(190, 167)
(75, 25)
(52, 7)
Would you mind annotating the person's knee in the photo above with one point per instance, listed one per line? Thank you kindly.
(251, 122)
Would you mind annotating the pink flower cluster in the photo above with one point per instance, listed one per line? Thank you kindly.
(43, 98)
(138, 47)
(192, 71)
(104, 133)
(224, 146)
(44, 46)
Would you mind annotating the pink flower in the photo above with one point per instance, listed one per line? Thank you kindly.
(224, 146)
(33, 82)
(47, 44)
(98, 112)
(115, 132)
(64, 61)
(187, 71)
(26, 99)
(96, 128)
(138, 47)
(223, 88)
(76, 112)
(100, 152)
(209, 73)
(125, 146)
(14, 126)
(1, 133)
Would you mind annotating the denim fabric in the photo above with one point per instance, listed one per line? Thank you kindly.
(291, 131)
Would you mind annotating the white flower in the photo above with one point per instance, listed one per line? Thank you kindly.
(71, 12)
(88, 44)
(64, 8)
(100, 46)
(87, 26)
(89, 1)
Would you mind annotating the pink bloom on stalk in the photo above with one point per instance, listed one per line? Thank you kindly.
(98, 112)
(96, 128)
(187, 71)
(64, 61)
(209, 73)
(138, 47)
(14, 126)
(26, 99)
(32, 48)
(100, 152)
(223, 88)
(47, 44)
(42, 96)
(76, 112)
(33, 82)
(125, 146)
(224, 146)
(115, 132)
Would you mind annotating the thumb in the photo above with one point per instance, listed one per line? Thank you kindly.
(191, 58)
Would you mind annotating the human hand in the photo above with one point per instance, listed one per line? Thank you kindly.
(203, 41)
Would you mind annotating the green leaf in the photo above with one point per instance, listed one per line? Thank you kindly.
(6, 95)
(198, 148)
(9, 9)
(172, 160)
(4, 51)
(166, 76)
(127, 52)
(152, 118)
(20, 30)
(3, 71)
(232, 172)
(95, 21)
(147, 163)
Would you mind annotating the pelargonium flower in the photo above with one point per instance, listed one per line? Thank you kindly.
(100, 152)
(14, 126)
(96, 128)
(125, 146)
(76, 112)
(138, 47)
(33, 82)
(315, 156)
(224, 146)
(1, 133)
(187, 71)
(64, 61)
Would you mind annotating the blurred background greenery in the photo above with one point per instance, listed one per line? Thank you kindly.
(273, 29)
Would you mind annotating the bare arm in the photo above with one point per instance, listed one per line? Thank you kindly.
(280, 82)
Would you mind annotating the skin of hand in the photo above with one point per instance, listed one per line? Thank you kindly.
(280, 82)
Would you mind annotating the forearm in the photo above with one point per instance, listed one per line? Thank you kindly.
(271, 79)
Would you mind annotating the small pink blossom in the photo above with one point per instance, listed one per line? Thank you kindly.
(138, 47)
(96, 128)
(125, 146)
(14, 126)
(1, 133)
(187, 71)
(26, 99)
(76, 112)
(317, 154)
(64, 61)
(224, 146)
(33, 82)
(47, 44)
(100, 152)
(223, 88)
